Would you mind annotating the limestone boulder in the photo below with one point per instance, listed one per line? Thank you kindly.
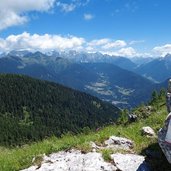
(130, 162)
(148, 131)
(119, 143)
(73, 160)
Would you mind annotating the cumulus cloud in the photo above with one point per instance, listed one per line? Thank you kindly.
(129, 52)
(48, 42)
(88, 16)
(162, 50)
(115, 44)
(126, 52)
(99, 42)
(107, 43)
(14, 12)
(26, 41)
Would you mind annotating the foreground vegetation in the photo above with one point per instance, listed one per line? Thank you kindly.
(19, 158)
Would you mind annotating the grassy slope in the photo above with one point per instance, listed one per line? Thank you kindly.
(18, 158)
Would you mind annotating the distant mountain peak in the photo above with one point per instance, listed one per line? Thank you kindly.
(167, 56)
(18, 53)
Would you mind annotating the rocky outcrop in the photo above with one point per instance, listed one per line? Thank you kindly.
(132, 117)
(114, 143)
(130, 162)
(73, 160)
(118, 143)
(148, 131)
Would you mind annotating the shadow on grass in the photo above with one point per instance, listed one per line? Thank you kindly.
(156, 158)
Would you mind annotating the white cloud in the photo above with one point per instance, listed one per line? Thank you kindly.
(133, 42)
(107, 43)
(89, 49)
(71, 5)
(162, 50)
(126, 52)
(13, 12)
(11, 19)
(99, 42)
(88, 16)
(115, 44)
(66, 7)
(40, 42)
(47, 42)
(129, 52)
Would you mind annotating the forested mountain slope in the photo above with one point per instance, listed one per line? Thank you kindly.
(31, 109)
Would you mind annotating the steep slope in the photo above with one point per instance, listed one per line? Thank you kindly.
(157, 70)
(141, 60)
(10, 64)
(28, 66)
(31, 109)
(123, 62)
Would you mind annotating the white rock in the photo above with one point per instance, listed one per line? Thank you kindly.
(94, 146)
(127, 162)
(32, 168)
(148, 131)
(73, 160)
(119, 143)
(149, 108)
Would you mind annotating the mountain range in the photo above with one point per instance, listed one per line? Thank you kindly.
(117, 80)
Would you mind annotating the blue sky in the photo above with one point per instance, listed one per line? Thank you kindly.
(117, 27)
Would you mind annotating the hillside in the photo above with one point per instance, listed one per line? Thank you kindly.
(20, 158)
(31, 110)
(108, 82)
(157, 70)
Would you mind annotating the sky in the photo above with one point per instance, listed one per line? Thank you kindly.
(127, 28)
